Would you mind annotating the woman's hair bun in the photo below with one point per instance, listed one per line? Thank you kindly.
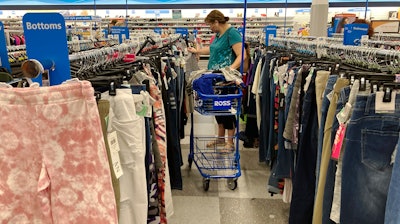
(226, 18)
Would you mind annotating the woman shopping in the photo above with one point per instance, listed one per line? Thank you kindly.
(225, 51)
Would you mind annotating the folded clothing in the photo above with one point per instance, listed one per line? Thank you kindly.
(205, 83)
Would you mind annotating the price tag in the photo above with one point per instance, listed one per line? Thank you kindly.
(114, 149)
(338, 143)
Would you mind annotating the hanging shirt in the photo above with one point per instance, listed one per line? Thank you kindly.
(221, 53)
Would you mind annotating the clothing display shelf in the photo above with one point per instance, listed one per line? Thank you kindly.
(12, 23)
(9, 32)
(254, 25)
(83, 25)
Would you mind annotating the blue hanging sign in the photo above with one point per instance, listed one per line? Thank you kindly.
(183, 31)
(270, 31)
(330, 32)
(46, 41)
(158, 30)
(302, 10)
(3, 50)
(81, 18)
(353, 33)
(121, 31)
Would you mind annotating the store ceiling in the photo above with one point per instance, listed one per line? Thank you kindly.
(179, 4)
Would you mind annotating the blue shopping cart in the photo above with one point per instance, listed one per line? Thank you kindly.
(214, 162)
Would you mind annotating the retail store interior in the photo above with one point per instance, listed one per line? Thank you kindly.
(297, 107)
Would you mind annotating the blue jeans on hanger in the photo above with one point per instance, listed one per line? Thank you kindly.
(265, 112)
(370, 140)
(301, 207)
(174, 153)
(392, 214)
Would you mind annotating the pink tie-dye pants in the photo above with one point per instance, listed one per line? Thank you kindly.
(53, 163)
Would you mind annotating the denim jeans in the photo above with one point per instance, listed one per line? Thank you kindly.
(331, 172)
(174, 153)
(392, 213)
(301, 207)
(324, 111)
(371, 138)
(265, 112)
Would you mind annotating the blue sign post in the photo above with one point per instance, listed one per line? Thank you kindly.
(270, 31)
(353, 33)
(120, 31)
(3, 50)
(46, 41)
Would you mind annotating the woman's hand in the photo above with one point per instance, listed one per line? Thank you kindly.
(192, 50)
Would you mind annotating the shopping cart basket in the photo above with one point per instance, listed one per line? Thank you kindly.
(214, 162)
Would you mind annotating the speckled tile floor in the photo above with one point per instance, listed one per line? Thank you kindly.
(250, 203)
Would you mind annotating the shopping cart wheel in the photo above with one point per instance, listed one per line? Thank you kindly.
(190, 161)
(206, 184)
(232, 184)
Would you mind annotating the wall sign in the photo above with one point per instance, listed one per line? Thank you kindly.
(121, 31)
(46, 41)
(3, 50)
(353, 34)
(270, 31)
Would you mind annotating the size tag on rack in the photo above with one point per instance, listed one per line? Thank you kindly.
(397, 78)
(114, 149)
(364, 40)
(383, 107)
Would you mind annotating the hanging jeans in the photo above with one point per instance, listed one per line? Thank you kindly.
(173, 140)
(301, 207)
(53, 161)
(371, 138)
(131, 139)
(392, 212)
(265, 100)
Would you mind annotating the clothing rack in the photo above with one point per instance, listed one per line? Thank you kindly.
(321, 48)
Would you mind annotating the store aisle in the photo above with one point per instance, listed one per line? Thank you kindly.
(249, 203)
